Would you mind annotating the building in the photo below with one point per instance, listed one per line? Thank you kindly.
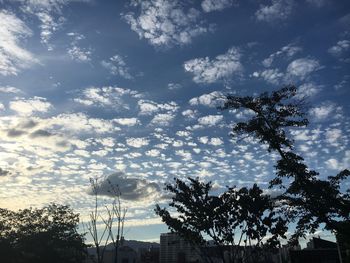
(149, 255)
(175, 249)
(317, 251)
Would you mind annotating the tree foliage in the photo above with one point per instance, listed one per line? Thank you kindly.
(242, 216)
(42, 235)
(308, 199)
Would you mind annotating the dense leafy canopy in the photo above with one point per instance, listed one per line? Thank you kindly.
(309, 200)
(236, 217)
(247, 213)
(42, 235)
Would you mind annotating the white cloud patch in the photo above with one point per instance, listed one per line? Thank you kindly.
(222, 67)
(76, 52)
(117, 66)
(148, 107)
(273, 76)
(301, 68)
(9, 89)
(308, 90)
(79, 54)
(213, 99)
(340, 50)
(210, 120)
(286, 51)
(107, 96)
(45, 11)
(13, 58)
(80, 122)
(162, 119)
(216, 5)
(137, 142)
(127, 121)
(29, 106)
(48, 27)
(190, 114)
(325, 111)
(341, 164)
(333, 136)
(165, 22)
(174, 86)
(277, 10)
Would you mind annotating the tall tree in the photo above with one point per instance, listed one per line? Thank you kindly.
(49, 234)
(237, 217)
(112, 217)
(308, 199)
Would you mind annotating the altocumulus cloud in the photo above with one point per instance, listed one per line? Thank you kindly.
(13, 57)
(131, 188)
(165, 23)
(222, 67)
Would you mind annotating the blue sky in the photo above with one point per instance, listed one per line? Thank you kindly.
(129, 91)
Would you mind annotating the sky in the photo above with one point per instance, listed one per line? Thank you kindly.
(128, 91)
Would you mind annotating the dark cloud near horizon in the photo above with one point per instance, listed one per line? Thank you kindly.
(4, 172)
(15, 133)
(40, 133)
(131, 188)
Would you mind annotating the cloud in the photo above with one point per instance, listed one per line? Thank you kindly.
(137, 142)
(340, 50)
(213, 99)
(13, 58)
(286, 51)
(45, 11)
(117, 66)
(210, 120)
(165, 22)
(148, 107)
(9, 89)
(190, 114)
(339, 165)
(107, 96)
(79, 54)
(127, 121)
(131, 188)
(216, 5)
(80, 122)
(222, 67)
(4, 172)
(29, 106)
(277, 10)
(324, 111)
(162, 119)
(174, 86)
(308, 90)
(48, 27)
(302, 68)
(333, 136)
(273, 76)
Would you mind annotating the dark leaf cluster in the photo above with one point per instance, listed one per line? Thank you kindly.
(42, 235)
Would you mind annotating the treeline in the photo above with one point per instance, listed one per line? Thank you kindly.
(49, 234)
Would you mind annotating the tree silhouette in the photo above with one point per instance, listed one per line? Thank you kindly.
(42, 235)
(307, 199)
(242, 216)
(113, 218)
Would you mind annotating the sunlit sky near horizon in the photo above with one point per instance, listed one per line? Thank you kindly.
(129, 91)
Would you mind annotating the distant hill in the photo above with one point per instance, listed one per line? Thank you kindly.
(134, 244)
